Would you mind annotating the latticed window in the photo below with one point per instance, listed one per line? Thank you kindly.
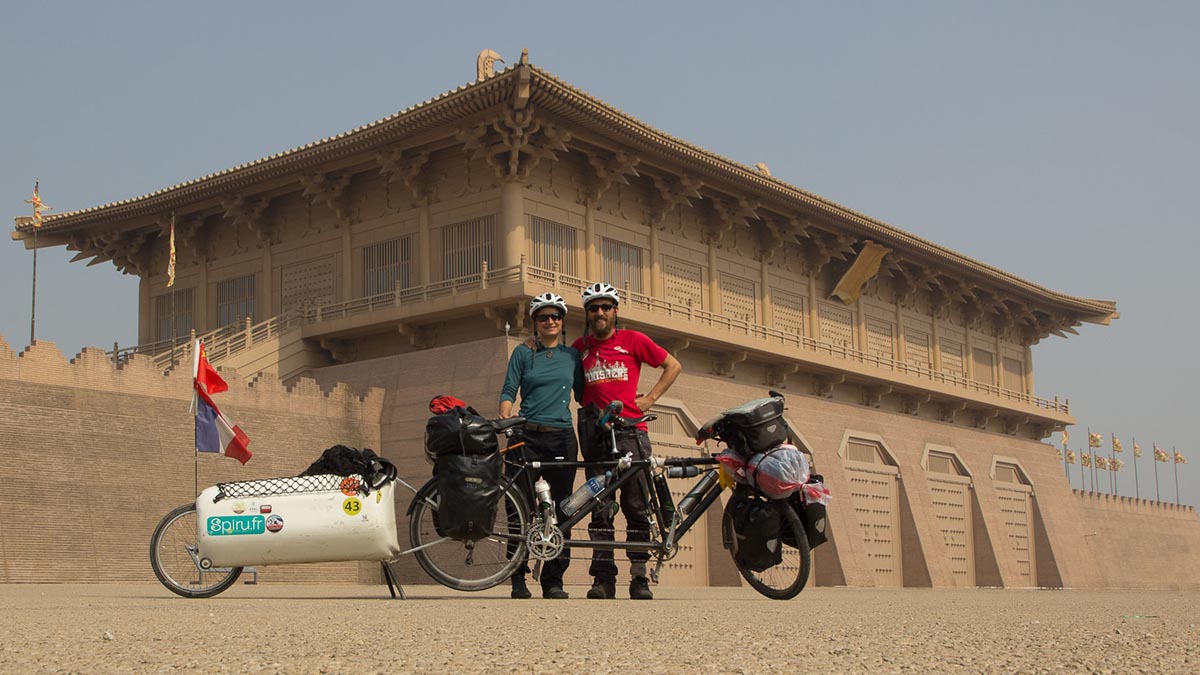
(789, 311)
(552, 243)
(943, 462)
(952, 357)
(737, 298)
(622, 264)
(1008, 473)
(916, 348)
(837, 324)
(235, 299)
(173, 313)
(682, 283)
(465, 247)
(385, 264)
(879, 338)
(308, 283)
(1014, 374)
(867, 452)
(984, 361)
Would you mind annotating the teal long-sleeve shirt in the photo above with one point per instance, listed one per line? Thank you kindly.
(546, 380)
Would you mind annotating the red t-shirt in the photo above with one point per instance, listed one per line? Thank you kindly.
(611, 368)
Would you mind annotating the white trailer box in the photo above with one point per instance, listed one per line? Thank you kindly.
(324, 518)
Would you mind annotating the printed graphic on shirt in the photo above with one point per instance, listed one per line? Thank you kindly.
(606, 372)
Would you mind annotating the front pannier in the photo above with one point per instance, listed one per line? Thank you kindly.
(755, 540)
(460, 431)
(469, 494)
(758, 424)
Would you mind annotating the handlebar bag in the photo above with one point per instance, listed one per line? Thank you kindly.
(468, 495)
(758, 424)
(755, 540)
(461, 431)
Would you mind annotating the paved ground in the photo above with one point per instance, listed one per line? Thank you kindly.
(356, 629)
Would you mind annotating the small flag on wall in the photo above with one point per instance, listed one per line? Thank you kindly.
(1179, 458)
(1137, 449)
(1116, 445)
(1095, 440)
(1159, 454)
(1070, 457)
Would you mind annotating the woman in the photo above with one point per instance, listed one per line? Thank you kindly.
(546, 375)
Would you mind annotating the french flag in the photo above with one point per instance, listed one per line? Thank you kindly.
(214, 431)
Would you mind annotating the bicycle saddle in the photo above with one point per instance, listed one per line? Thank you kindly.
(501, 425)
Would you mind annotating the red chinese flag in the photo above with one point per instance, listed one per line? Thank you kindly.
(205, 375)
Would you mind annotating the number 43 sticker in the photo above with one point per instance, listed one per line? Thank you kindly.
(352, 506)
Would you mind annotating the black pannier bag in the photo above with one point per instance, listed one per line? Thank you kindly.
(460, 431)
(758, 423)
(469, 494)
(812, 517)
(755, 541)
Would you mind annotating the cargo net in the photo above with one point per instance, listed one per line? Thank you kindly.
(350, 485)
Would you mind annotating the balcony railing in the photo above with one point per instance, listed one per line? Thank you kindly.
(232, 339)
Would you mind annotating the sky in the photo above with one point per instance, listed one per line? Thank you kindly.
(1055, 140)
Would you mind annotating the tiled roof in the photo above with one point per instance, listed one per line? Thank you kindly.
(561, 97)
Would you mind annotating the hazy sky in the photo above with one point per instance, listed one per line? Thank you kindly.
(1055, 140)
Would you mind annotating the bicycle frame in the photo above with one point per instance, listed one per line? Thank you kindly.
(638, 469)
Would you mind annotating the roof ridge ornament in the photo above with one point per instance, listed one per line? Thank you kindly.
(485, 63)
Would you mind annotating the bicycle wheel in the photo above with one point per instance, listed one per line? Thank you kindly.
(174, 556)
(785, 580)
(468, 565)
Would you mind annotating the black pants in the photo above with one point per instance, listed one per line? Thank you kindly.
(547, 446)
(632, 496)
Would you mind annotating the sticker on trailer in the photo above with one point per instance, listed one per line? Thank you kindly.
(230, 525)
(350, 486)
(352, 506)
(274, 523)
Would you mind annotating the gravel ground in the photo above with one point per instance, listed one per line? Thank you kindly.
(358, 629)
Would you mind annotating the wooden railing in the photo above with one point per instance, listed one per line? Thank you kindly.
(234, 338)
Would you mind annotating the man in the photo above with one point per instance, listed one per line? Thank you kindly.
(612, 363)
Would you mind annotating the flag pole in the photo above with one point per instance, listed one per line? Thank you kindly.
(1084, 471)
(1137, 490)
(1157, 494)
(1112, 464)
(33, 302)
(1175, 461)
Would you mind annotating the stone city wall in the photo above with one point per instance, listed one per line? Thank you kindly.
(1139, 543)
(92, 456)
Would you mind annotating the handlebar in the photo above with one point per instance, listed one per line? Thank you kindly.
(610, 412)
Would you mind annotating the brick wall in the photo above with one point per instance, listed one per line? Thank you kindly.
(1138, 543)
(92, 456)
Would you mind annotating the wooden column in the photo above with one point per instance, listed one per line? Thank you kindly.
(424, 245)
(347, 289)
(1028, 370)
(512, 224)
(814, 317)
(268, 286)
(145, 320)
(901, 346)
(714, 284)
(200, 315)
(591, 262)
(764, 294)
(656, 281)
(860, 326)
(936, 357)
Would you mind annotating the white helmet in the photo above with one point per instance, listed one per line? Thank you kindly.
(547, 299)
(600, 290)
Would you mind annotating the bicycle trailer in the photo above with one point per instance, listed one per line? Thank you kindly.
(322, 518)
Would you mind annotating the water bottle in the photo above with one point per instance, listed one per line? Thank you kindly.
(664, 498)
(692, 498)
(542, 491)
(683, 471)
(585, 493)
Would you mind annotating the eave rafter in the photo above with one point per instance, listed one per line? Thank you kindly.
(250, 212)
(330, 189)
(607, 169)
(514, 143)
(408, 167)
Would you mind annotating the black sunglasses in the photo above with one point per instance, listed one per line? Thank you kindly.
(600, 308)
(553, 316)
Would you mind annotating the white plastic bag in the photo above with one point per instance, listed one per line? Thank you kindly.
(778, 472)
